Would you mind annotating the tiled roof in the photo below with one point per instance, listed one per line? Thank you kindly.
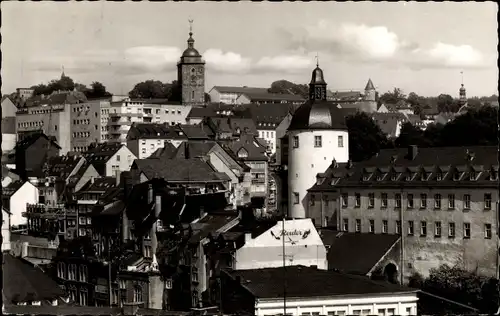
(200, 112)
(438, 166)
(179, 170)
(232, 125)
(249, 144)
(153, 101)
(273, 97)
(8, 125)
(354, 252)
(57, 98)
(194, 149)
(345, 96)
(12, 188)
(195, 131)
(87, 310)
(150, 131)
(240, 90)
(30, 138)
(98, 185)
(310, 282)
(62, 166)
(210, 223)
(23, 282)
(318, 115)
(269, 116)
(167, 151)
(100, 154)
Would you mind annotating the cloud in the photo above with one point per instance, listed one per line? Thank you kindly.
(143, 60)
(377, 44)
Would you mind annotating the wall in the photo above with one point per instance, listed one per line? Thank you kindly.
(8, 108)
(122, 160)
(87, 124)
(193, 92)
(5, 230)
(281, 131)
(306, 161)
(266, 251)
(155, 297)
(270, 137)
(423, 253)
(398, 304)
(145, 147)
(8, 142)
(28, 193)
(243, 99)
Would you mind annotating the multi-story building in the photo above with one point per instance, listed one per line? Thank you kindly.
(246, 95)
(110, 159)
(15, 198)
(122, 114)
(442, 201)
(144, 139)
(89, 124)
(24, 93)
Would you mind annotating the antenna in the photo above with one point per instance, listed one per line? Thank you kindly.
(462, 73)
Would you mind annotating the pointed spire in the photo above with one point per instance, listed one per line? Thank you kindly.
(190, 40)
(369, 85)
(62, 74)
(317, 60)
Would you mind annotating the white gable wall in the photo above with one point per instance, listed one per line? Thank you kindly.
(5, 231)
(121, 161)
(27, 194)
(303, 246)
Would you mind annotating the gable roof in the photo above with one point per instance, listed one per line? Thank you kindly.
(98, 185)
(22, 282)
(426, 160)
(167, 151)
(194, 131)
(30, 138)
(232, 125)
(100, 154)
(179, 170)
(211, 223)
(266, 96)
(309, 282)
(62, 166)
(239, 90)
(255, 151)
(267, 116)
(354, 252)
(150, 131)
(200, 112)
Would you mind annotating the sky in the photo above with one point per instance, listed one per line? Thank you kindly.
(419, 47)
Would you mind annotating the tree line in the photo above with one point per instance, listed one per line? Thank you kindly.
(65, 83)
(477, 127)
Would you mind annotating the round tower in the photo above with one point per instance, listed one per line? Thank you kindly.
(370, 96)
(317, 134)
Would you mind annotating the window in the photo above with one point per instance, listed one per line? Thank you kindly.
(398, 227)
(357, 200)
(137, 294)
(143, 150)
(295, 141)
(89, 220)
(358, 226)
(411, 228)
(83, 273)
(311, 199)
(371, 200)
(82, 221)
(117, 157)
(83, 297)
(439, 176)
(345, 200)
(72, 272)
(383, 200)
(340, 141)
(451, 201)
(451, 230)
(372, 226)
(296, 198)
(466, 230)
(385, 226)
(487, 231)
(82, 232)
(195, 298)
(397, 200)
(423, 200)
(437, 201)
(410, 201)
(61, 270)
(194, 275)
(317, 141)
(345, 224)
(147, 252)
(487, 201)
(466, 201)
(423, 228)
(122, 284)
(437, 229)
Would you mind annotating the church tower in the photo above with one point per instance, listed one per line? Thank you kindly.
(462, 99)
(317, 86)
(191, 74)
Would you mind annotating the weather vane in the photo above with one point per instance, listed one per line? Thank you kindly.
(317, 60)
(462, 73)
(190, 25)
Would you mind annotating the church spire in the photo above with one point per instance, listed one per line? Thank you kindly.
(190, 40)
(317, 86)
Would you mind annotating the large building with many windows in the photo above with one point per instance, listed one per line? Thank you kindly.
(442, 201)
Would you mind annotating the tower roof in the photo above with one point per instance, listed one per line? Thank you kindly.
(317, 76)
(462, 88)
(369, 85)
(318, 115)
(191, 51)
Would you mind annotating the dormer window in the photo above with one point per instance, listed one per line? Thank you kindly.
(457, 175)
(472, 176)
(408, 177)
(319, 181)
(439, 176)
(394, 176)
(242, 153)
(334, 181)
(381, 176)
(423, 176)
(366, 176)
(493, 175)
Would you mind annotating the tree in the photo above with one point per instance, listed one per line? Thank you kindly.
(445, 103)
(66, 83)
(208, 99)
(365, 137)
(97, 90)
(287, 87)
(411, 135)
(154, 89)
(393, 97)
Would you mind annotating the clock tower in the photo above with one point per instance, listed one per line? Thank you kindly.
(191, 74)
(317, 86)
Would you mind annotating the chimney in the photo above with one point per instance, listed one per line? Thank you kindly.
(157, 206)
(117, 177)
(186, 150)
(91, 180)
(150, 193)
(412, 152)
(349, 164)
(334, 163)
